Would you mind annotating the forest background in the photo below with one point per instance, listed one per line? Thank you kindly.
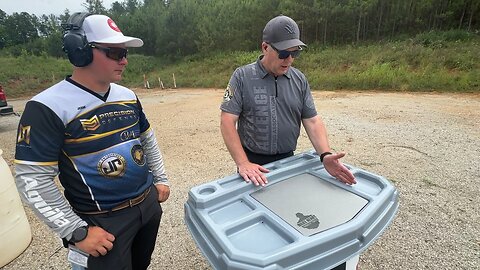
(393, 45)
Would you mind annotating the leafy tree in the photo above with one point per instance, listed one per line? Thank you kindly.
(95, 6)
(3, 17)
(178, 28)
(117, 10)
(20, 28)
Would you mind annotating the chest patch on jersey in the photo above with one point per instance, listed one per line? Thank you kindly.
(112, 165)
(138, 155)
(91, 124)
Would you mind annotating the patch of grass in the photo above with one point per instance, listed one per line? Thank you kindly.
(409, 65)
(27, 75)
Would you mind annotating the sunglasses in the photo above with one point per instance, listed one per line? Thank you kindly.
(114, 53)
(284, 54)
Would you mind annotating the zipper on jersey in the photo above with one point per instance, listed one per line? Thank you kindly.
(276, 88)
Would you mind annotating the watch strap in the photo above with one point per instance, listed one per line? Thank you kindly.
(322, 156)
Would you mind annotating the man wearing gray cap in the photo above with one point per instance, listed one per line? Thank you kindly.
(265, 104)
(93, 134)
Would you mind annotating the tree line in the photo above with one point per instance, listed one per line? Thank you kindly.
(178, 28)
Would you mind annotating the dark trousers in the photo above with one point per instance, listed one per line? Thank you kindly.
(261, 159)
(264, 159)
(342, 266)
(135, 230)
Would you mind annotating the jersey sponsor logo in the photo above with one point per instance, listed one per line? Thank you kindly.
(90, 124)
(56, 216)
(117, 114)
(94, 123)
(127, 135)
(23, 134)
(112, 165)
(228, 94)
(138, 155)
(260, 132)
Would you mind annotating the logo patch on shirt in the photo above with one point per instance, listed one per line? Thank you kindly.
(23, 134)
(112, 165)
(90, 124)
(228, 94)
(138, 155)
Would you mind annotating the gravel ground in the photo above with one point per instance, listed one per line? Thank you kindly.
(428, 145)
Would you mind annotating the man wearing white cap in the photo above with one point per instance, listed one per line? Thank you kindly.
(94, 135)
(265, 104)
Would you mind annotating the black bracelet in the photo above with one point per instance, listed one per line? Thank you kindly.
(323, 155)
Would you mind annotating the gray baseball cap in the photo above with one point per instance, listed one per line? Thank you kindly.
(282, 32)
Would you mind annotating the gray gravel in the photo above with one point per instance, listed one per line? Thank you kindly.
(428, 145)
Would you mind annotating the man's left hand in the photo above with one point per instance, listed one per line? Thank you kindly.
(163, 192)
(336, 169)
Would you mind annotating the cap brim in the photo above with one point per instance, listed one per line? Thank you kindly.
(287, 44)
(125, 40)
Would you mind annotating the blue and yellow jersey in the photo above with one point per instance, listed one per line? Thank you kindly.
(94, 140)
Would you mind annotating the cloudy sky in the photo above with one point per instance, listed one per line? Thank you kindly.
(40, 7)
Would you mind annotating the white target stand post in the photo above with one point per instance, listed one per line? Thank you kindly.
(146, 84)
(160, 83)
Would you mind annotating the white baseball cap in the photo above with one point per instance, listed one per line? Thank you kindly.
(102, 29)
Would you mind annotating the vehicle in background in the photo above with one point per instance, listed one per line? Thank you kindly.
(5, 109)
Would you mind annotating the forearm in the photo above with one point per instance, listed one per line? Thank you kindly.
(154, 157)
(232, 141)
(317, 133)
(37, 189)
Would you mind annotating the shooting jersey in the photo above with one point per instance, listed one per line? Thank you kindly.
(270, 109)
(94, 140)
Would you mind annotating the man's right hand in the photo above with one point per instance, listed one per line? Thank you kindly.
(253, 172)
(98, 242)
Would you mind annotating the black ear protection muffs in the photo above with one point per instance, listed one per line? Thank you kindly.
(75, 42)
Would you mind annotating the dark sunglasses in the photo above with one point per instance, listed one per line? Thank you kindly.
(114, 53)
(284, 54)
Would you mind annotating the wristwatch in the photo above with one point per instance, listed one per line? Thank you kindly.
(79, 234)
(323, 155)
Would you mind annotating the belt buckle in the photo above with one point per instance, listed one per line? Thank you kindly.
(137, 200)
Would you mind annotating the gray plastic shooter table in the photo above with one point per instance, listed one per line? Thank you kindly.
(302, 219)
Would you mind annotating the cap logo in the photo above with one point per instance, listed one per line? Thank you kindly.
(289, 29)
(113, 25)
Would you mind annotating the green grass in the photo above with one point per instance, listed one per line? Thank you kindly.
(445, 62)
(25, 75)
(401, 66)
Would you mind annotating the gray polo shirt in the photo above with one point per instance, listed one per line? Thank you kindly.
(270, 108)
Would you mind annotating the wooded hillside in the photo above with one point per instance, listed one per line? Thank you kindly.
(177, 28)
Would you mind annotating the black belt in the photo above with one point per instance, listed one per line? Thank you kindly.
(128, 203)
(262, 159)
